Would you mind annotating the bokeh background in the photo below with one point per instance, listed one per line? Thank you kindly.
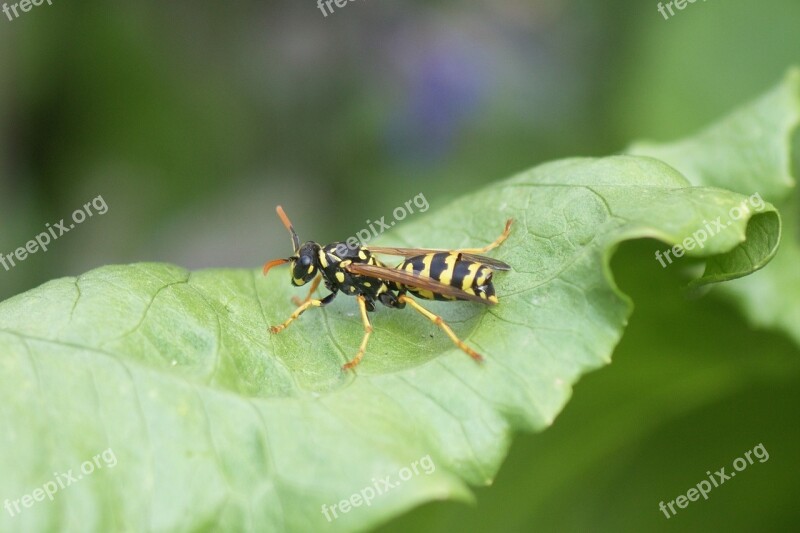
(194, 119)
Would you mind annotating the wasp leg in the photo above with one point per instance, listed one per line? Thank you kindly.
(362, 305)
(314, 285)
(495, 244)
(436, 319)
(300, 310)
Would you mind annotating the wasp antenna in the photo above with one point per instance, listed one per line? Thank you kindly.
(275, 262)
(288, 224)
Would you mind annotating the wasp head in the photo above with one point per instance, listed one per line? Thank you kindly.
(305, 258)
(304, 263)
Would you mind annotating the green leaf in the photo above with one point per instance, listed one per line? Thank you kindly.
(750, 151)
(216, 424)
(691, 388)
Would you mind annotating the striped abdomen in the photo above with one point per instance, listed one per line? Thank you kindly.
(450, 269)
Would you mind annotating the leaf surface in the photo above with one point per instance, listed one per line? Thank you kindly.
(751, 152)
(217, 424)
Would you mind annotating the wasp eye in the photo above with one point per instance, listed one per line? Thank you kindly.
(305, 260)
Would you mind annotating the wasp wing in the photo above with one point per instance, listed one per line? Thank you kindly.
(494, 264)
(412, 252)
(413, 280)
(405, 252)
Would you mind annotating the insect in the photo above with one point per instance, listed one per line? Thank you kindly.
(425, 273)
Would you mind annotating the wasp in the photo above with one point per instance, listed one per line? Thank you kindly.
(426, 273)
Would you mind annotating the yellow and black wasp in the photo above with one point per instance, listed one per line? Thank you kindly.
(429, 274)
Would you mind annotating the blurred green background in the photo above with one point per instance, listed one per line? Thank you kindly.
(194, 119)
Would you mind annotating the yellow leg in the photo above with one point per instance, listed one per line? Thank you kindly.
(436, 319)
(497, 242)
(314, 285)
(367, 332)
(297, 312)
